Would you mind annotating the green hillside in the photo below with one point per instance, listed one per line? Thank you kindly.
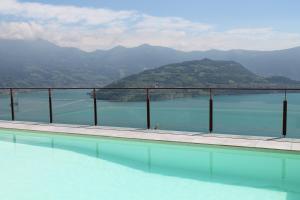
(199, 73)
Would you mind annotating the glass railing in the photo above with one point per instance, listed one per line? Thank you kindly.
(31, 105)
(293, 114)
(72, 106)
(180, 110)
(5, 113)
(248, 113)
(127, 108)
(272, 112)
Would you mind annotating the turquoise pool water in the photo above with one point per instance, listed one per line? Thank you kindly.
(252, 114)
(37, 166)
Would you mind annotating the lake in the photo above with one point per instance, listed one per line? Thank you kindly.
(247, 114)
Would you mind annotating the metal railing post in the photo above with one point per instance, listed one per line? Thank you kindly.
(210, 111)
(50, 106)
(12, 109)
(148, 110)
(95, 107)
(284, 117)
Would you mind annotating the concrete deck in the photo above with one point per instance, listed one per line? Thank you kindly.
(286, 144)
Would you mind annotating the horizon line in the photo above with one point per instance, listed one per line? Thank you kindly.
(144, 44)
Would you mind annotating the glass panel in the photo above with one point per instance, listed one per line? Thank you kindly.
(248, 112)
(31, 105)
(180, 110)
(122, 108)
(293, 115)
(5, 105)
(73, 106)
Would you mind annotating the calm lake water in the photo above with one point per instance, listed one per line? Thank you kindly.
(251, 114)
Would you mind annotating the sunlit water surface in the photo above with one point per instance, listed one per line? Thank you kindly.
(37, 166)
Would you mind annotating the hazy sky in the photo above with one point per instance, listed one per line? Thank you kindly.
(181, 24)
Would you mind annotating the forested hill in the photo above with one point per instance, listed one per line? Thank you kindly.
(198, 73)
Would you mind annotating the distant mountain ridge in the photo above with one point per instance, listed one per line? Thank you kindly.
(197, 73)
(40, 63)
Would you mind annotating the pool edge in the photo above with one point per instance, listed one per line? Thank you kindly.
(221, 140)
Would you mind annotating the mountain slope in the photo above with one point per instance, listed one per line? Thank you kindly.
(265, 63)
(198, 73)
(41, 63)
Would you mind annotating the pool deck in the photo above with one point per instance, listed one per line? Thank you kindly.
(287, 144)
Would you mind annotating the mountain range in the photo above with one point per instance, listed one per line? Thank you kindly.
(36, 63)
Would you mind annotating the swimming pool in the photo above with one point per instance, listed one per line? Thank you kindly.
(37, 165)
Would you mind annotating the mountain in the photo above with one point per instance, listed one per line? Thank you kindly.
(36, 63)
(198, 73)
(265, 63)
(39, 63)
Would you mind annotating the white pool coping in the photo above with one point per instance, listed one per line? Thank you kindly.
(287, 144)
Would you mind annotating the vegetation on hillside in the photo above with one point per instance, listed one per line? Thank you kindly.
(198, 73)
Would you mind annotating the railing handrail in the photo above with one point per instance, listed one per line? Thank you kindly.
(151, 88)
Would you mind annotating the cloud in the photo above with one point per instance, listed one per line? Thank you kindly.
(93, 28)
(20, 30)
(63, 14)
(170, 23)
(249, 31)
